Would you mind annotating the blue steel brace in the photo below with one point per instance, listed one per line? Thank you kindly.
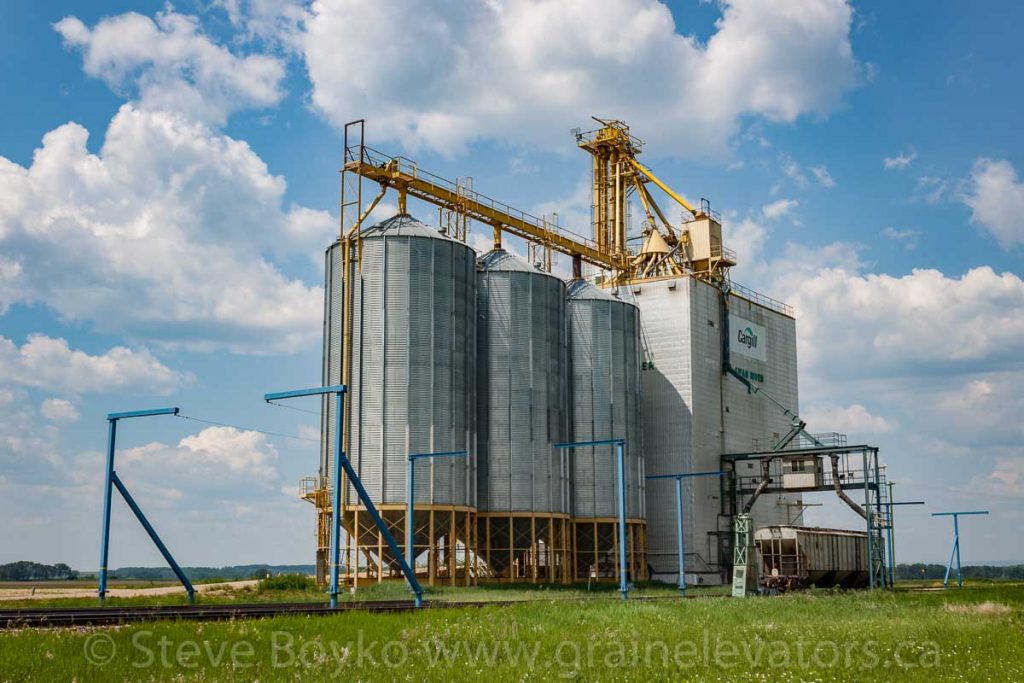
(153, 535)
(620, 445)
(681, 541)
(112, 480)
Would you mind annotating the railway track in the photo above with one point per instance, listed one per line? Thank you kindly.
(110, 616)
(106, 616)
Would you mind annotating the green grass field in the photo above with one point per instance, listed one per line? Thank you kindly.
(976, 633)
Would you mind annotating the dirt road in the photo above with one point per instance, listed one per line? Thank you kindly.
(43, 593)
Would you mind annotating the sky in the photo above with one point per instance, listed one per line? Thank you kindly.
(168, 183)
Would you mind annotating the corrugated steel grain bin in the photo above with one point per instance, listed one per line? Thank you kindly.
(522, 387)
(604, 350)
(412, 380)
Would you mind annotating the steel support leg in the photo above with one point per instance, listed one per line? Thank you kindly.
(949, 565)
(623, 579)
(892, 544)
(105, 534)
(336, 502)
(682, 539)
(410, 484)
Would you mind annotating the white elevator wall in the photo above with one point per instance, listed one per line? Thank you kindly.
(692, 414)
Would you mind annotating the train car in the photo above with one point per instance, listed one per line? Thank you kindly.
(795, 557)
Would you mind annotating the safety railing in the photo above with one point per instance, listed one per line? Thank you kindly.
(718, 252)
(762, 299)
(824, 438)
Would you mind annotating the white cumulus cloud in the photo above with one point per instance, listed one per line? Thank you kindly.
(161, 236)
(879, 324)
(236, 465)
(50, 364)
(823, 177)
(853, 419)
(430, 75)
(1005, 480)
(778, 208)
(168, 63)
(59, 410)
(996, 197)
(278, 22)
(900, 161)
(907, 237)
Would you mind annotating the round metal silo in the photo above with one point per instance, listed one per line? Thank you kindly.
(604, 351)
(522, 482)
(411, 388)
(333, 310)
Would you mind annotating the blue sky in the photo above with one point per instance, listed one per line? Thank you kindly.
(168, 181)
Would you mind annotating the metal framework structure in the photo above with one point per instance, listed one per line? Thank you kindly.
(540, 546)
(892, 531)
(622, 540)
(680, 536)
(111, 479)
(410, 511)
(956, 544)
(853, 468)
(617, 175)
(342, 462)
(524, 546)
(743, 541)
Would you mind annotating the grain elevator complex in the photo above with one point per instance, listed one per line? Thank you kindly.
(494, 359)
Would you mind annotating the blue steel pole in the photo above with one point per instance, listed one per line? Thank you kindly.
(892, 559)
(623, 580)
(682, 539)
(336, 502)
(867, 510)
(410, 485)
(681, 543)
(105, 534)
(410, 511)
(892, 551)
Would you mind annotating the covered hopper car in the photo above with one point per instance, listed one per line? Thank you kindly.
(795, 557)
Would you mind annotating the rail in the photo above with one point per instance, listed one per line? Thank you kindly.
(762, 300)
(824, 439)
(720, 253)
(849, 477)
(57, 617)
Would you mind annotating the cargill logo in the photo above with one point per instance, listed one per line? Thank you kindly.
(747, 337)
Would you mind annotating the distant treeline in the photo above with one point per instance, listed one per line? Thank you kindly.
(33, 571)
(938, 571)
(242, 571)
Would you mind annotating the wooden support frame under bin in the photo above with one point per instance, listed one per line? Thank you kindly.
(524, 547)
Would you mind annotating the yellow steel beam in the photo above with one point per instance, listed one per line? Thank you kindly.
(359, 222)
(653, 178)
(420, 187)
